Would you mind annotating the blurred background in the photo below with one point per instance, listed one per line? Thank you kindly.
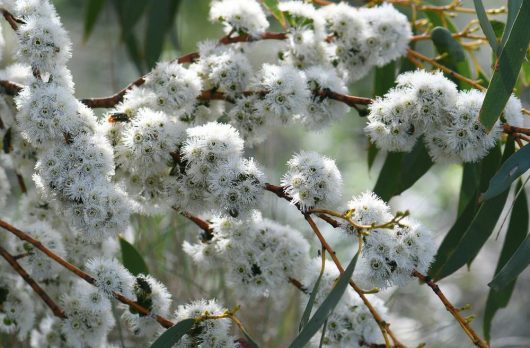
(124, 42)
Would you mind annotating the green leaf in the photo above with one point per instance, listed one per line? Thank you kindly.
(310, 302)
(173, 334)
(250, 341)
(129, 13)
(469, 186)
(384, 78)
(371, 154)
(413, 166)
(159, 21)
(272, 6)
(510, 170)
(515, 265)
(486, 26)
(132, 260)
(325, 308)
(478, 231)
(507, 68)
(455, 56)
(401, 170)
(452, 238)
(388, 179)
(513, 10)
(92, 11)
(516, 233)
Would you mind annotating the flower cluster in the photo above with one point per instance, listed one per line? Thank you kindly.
(5, 187)
(429, 105)
(389, 254)
(17, 309)
(74, 164)
(312, 180)
(350, 324)
(260, 254)
(213, 333)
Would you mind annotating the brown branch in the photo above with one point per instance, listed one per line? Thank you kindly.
(512, 129)
(349, 100)
(23, 255)
(110, 101)
(12, 20)
(297, 284)
(85, 276)
(21, 183)
(414, 54)
(477, 341)
(12, 260)
(10, 87)
(383, 325)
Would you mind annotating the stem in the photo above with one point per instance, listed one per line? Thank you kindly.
(383, 325)
(477, 341)
(12, 260)
(85, 276)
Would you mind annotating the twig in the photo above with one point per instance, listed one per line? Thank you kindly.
(477, 341)
(86, 277)
(12, 20)
(57, 311)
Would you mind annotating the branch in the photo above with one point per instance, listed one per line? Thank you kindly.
(86, 277)
(12, 20)
(10, 88)
(477, 341)
(12, 260)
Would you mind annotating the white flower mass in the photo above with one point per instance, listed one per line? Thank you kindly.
(184, 140)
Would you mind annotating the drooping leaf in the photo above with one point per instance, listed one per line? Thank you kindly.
(507, 68)
(384, 78)
(92, 10)
(310, 302)
(515, 265)
(513, 9)
(478, 231)
(371, 154)
(173, 334)
(486, 26)
(159, 21)
(469, 186)
(272, 6)
(454, 54)
(388, 179)
(325, 309)
(413, 166)
(517, 230)
(250, 341)
(129, 13)
(510, 170)
(132, 259)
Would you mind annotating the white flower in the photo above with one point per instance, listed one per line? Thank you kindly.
(150, 294)
(248, 118)
(312, 180)
(208, 146)
(236, 187)
(242, 17)
(111, 276)
(513, 114)
(39, 265)
(393, 30)
(392, 124)
(147, 142)
(210, 333)
(285, 92)
(5, 188)
(323, 111)
(260, 254)
(176, 88)
(17, 310)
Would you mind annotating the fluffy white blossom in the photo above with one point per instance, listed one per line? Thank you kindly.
(350, 324)
(285, 92)
(5, 188)
(38, 264)
(86, 325)
(111, 276)
(236, 187)
(249, 119)
(260, 254)
(389, 255)
(213, 333)
(208, 146)
(312, 180)
(176, 88)
(17, 309)
(150, 294)
(322, 111)
(242, 17)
